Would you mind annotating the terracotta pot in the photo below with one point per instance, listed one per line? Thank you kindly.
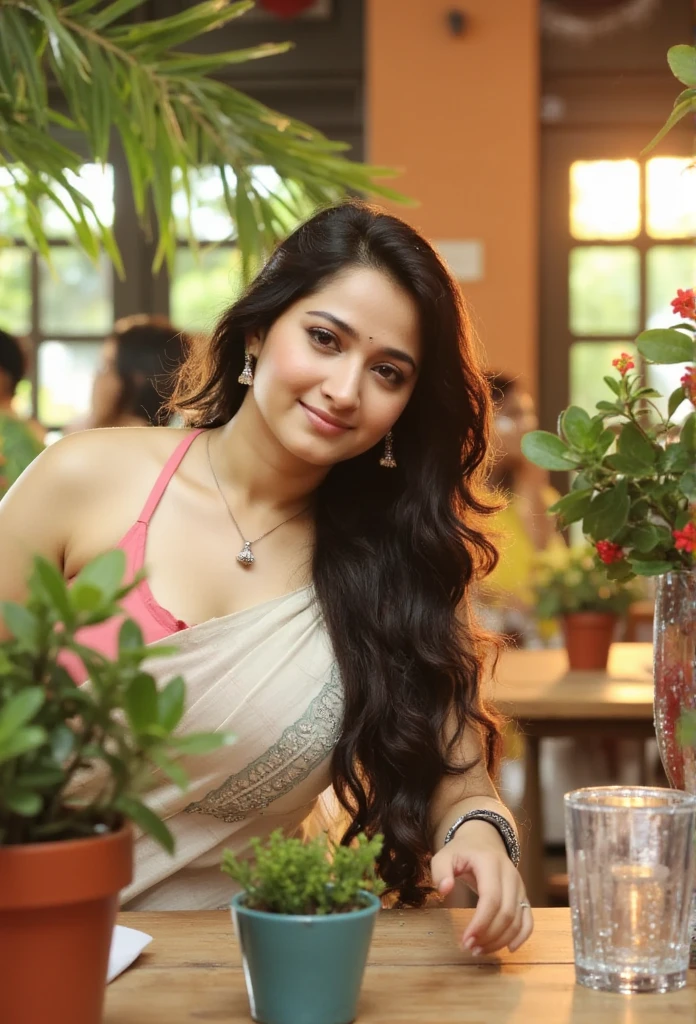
(588, 637)
(58, 904)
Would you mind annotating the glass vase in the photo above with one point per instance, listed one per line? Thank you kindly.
(674, 645)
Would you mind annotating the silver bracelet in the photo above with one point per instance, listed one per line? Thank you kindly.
(499, 822)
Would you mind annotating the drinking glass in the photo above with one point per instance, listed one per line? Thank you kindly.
(631, 872)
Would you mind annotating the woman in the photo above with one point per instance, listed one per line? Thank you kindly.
(20, 440)
(523, 527)
(319, 526)
(134, 381)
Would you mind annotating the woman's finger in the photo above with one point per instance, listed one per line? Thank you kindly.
(508, 936)
(445, 869)
(488, 886)
(508, 915)
(525, 931)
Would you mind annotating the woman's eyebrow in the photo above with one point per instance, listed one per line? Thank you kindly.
(341, 324)
(395, 353)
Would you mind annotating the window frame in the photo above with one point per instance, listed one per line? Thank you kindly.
(560, 149)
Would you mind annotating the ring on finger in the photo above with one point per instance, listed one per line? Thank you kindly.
(526, 904)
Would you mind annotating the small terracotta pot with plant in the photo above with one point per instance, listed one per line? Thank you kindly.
(304, 920)
(573, 588)
(67, 850)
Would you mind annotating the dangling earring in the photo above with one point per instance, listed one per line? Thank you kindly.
(247, 374)
(388, 460)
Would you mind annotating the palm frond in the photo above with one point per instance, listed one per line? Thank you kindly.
(113, 78)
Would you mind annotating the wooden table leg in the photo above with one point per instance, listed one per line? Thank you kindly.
(532, 833)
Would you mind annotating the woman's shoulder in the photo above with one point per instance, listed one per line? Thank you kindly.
(100, 465)
(107, 452)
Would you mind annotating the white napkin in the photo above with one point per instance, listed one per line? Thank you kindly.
(126, 946)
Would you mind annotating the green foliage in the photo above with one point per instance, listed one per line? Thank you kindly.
(288, 876)
(682, 62)
(547, 450)
(573, 581)
(119, 76)
(636, 470)
(686, 729)
(110, 734)
(666, 345)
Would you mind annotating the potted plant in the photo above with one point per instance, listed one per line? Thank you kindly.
(63, 856)
(634, 489)
(574, 588)
(304, 920)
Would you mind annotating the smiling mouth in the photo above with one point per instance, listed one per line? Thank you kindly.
(325, 420)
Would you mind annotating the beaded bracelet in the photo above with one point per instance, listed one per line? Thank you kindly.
(505, 829)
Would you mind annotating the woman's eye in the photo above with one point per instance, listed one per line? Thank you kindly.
(389, 373)
(322, 337)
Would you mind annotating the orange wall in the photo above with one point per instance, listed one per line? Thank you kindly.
(459, 116)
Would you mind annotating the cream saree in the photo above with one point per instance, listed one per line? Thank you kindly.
(268, 675)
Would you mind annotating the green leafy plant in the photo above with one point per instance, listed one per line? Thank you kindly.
(111, 732)
(97, 71)
(572, 581)
(635, 469)
(288, 876)
(682, 62)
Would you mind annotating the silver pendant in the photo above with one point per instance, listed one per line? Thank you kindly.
(246, 555)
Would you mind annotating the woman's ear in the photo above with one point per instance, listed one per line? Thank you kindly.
(253, 343)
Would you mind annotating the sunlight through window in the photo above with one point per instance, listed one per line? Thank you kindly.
(604, 199)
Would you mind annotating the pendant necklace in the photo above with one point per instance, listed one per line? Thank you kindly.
(246, 555)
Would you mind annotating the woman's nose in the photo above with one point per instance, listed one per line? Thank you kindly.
(343, 387)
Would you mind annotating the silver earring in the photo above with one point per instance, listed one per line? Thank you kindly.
(247, 375)
(388, 460)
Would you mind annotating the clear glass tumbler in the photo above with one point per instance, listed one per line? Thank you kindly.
(631, 873)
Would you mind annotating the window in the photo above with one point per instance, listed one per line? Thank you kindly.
(204, 281)
(207, 280)
(64, 308)
(631, 226)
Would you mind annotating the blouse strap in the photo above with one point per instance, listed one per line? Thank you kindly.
(169, 469)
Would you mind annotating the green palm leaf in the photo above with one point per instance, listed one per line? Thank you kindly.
(121, 78)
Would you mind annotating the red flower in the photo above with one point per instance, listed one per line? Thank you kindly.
(688, 382)
(685, 303)
(685, 540)
(624, 363)
(609, 552)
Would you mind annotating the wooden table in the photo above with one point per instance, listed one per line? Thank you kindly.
(192, 972)
(536, 689)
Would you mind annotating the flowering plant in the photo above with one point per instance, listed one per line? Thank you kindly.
(635, 484)
(572, 580)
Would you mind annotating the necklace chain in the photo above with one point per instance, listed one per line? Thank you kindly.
(245, 556)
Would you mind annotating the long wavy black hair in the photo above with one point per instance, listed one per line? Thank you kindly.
(395, 549)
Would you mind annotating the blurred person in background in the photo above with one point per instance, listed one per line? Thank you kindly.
(20, 440)
(523, 528)
(136, 375)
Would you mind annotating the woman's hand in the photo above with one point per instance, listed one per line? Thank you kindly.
(477, 855)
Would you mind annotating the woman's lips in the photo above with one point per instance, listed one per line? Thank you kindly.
(323, 423)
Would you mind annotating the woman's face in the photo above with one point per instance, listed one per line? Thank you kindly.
(107, 386)
(336, 370)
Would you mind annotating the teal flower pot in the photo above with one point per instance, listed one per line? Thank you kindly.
(304, 969)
